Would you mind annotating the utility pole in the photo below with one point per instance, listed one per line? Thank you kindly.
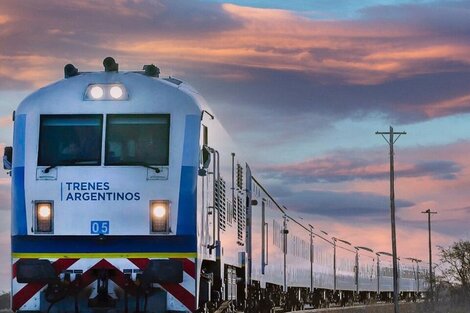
(391, 141)
(311, 257)
(429, 212)
(334, 265)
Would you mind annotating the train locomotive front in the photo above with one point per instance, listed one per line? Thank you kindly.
(104, 175)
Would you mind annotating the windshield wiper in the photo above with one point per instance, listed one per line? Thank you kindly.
(144, 164)
(156, 169)
(50, 167)
(71, 162)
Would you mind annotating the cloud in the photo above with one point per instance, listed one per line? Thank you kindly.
(353, 51)
(448, 106)
(352, 187)
(5, 269)
(5, 121)
(90, 22)
(427, 16)
(85, 32)
(439, 169)
(341, 167)
(4, 233)
(9, 83)
(394, 60)
(341, 205)
(411, 241)
(310, 103)
(5, 194)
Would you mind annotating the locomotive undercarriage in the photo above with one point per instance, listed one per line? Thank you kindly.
(102, 287)
(255, 299)
(367, 297)
(101, 295)
(222, 295)
(272, 297)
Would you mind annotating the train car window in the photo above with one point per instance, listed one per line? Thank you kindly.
(70, 140)
(137, 139)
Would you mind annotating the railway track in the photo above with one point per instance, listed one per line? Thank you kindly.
(353, 308)
(406, 307)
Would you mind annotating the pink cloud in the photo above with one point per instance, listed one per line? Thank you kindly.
(445, 107)
(411, 241)
(358, 210)
(359, 51)
(5, 121)
(243, 44)
(342, 167)
(4, 19)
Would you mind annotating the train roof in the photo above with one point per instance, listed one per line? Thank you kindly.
(140, 88)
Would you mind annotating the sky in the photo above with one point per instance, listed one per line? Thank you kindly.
(309, 82)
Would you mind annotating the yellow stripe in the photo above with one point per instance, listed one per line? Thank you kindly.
(119, 255)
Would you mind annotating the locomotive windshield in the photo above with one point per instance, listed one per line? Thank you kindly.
(70, 140)
(137, 139)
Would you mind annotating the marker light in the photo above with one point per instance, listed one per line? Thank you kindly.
(96, 92)
(116, 92)
(43, 214)
(159, 216)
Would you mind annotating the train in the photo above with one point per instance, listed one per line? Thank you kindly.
(129, 195)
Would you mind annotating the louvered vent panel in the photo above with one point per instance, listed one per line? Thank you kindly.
(220, 202)
(241, 225)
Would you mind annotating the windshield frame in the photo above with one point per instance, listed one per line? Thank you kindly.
(167, 116)
(74, 161)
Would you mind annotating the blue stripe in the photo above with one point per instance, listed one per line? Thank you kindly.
(191, 140)
(107, 244)
(188, 181)
(19, 140)
(18, 212)
(187, 201)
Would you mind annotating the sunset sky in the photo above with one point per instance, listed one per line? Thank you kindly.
(301, 85)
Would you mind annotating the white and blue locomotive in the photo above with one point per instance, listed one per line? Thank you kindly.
(127, 195)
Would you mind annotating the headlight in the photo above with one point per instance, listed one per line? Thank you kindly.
(43, 216)
(106, 92)
(159, 216)
(96, 92)
(116, 92)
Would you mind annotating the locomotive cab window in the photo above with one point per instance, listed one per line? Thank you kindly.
(70, 140)
(137, 139)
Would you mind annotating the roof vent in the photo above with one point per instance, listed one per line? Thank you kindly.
(110, 65)
(151, 70)
(174, 80)
(70, 71)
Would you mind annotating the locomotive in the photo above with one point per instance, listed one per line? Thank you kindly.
(127, 194)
